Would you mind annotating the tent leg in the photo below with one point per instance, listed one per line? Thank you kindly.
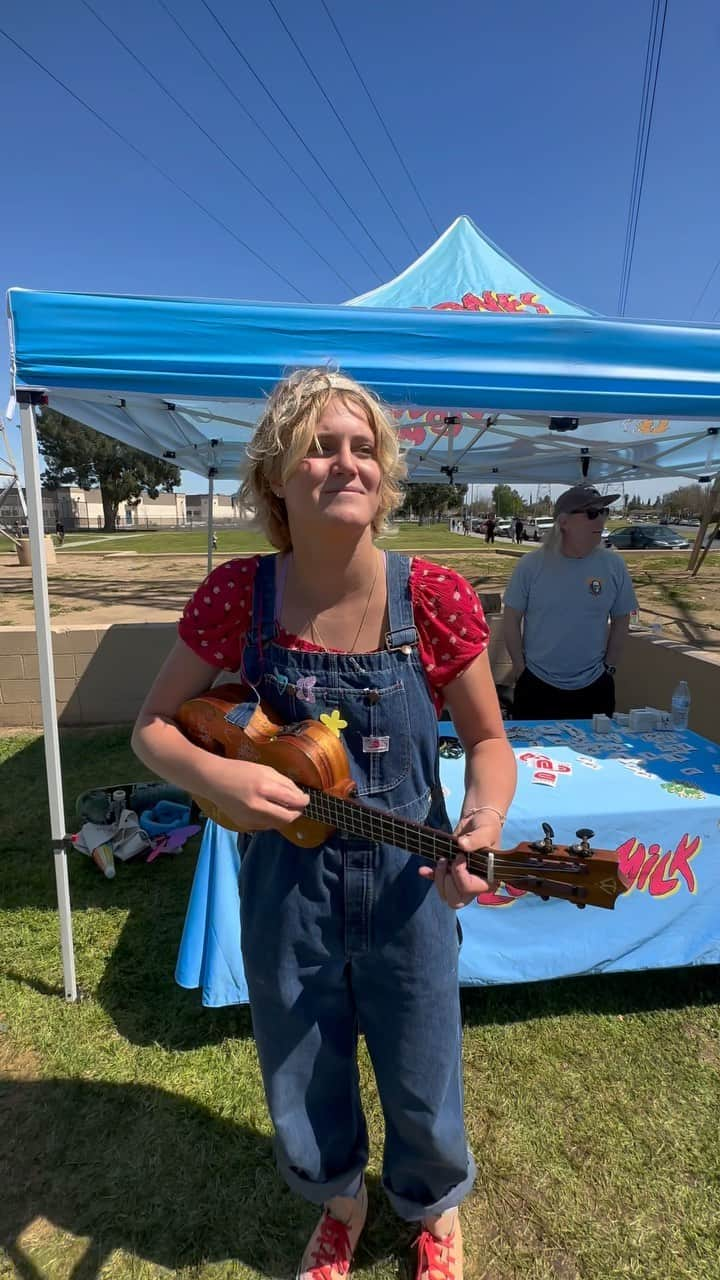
(211, 503)
(51, 738)
(696, 557)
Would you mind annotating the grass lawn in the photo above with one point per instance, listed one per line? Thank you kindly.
(241, 541)
(135, 1143)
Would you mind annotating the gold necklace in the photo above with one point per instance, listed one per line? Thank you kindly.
(315, 634)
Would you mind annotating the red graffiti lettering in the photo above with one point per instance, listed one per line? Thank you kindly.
(660, 873)
(436, 420)
(414, 434)
(648, 865)
(659, 886)
(497, 303)
(531, 300)
(680, 866)
(508, 302)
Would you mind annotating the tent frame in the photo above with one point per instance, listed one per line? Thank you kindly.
(27, 400)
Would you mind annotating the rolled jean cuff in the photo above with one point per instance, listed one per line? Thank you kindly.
(411, 1211)
(345, 1184)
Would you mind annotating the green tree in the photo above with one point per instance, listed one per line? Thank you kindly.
(423, 500)
(507, 501)
(75, 454)
(688, 500)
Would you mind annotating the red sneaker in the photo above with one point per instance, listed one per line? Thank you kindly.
(332, 1244)
(440, 1257)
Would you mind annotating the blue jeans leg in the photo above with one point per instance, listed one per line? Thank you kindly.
(410, 1014)
(307, 1046)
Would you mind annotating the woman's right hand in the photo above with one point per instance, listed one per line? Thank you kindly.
(254, 797)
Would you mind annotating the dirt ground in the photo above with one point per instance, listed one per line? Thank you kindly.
(126, 587)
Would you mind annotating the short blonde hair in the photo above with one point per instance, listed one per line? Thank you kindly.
(285, 434)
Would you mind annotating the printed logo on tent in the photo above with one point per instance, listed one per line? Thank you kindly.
(489, 300)
(412, 430)
(646, 426)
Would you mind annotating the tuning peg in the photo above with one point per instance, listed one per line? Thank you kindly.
(546, 844)
(584, 835)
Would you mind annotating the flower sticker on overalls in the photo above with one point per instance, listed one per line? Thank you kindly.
(304, 688)
(334, 722)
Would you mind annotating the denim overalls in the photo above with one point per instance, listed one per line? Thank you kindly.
(349, 937)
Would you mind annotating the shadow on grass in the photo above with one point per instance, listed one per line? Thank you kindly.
(134, 1168)
(610, 993)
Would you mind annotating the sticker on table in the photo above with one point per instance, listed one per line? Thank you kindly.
(589, 762)
(546, 777)
(685, 789)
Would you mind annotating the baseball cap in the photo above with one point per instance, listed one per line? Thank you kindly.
(582, 496)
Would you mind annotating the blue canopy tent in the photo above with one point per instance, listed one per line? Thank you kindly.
(489, 376)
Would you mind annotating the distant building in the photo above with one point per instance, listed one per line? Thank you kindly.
(225, 508)
(82, 509)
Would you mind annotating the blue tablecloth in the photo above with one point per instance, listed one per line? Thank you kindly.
(654, 797)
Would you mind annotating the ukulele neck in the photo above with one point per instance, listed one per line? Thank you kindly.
(381, 827)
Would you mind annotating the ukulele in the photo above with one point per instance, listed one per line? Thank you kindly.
(315, 759)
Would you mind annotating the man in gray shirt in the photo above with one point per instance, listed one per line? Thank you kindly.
(567, 612)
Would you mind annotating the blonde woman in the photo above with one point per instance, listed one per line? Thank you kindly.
(353, 935)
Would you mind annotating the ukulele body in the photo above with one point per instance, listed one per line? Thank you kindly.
(308, 753)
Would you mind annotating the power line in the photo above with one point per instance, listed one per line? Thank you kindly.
(638, 142)
(645, 151)
(342, 124)
(299, 136)
(373, 104)
(269, 140)
(655, 42)
(153, 165)
(708, 282)
(226, 155)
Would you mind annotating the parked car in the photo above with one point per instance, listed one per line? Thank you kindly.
(648, 538)
(537, 526)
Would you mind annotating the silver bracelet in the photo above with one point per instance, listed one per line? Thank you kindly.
(491, 808)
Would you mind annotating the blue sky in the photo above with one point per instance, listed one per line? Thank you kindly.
(520, 115)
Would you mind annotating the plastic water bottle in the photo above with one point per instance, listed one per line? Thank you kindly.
(681, 706)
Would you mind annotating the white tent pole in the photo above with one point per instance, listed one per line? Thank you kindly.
(47, 685)
(211, 503)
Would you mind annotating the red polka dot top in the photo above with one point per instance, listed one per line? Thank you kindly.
(448, 615)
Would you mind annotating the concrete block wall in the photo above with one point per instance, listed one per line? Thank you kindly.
(103, 673)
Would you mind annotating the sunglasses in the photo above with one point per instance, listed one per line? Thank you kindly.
(592, 513)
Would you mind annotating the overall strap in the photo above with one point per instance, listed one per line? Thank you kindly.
(263, 608)
(401, 632)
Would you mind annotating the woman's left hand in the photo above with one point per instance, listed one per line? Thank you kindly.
(456, 885)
